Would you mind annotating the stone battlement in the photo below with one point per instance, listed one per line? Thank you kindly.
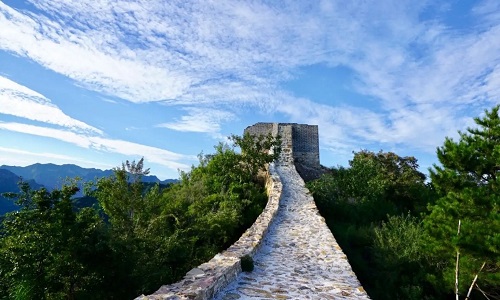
(300, 145)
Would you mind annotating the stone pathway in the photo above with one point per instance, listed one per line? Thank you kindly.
(299, 258)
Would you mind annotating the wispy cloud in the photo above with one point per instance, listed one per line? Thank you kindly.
(155, 155)
(157, 51)
(488, 11)
(20, 101)
(424, 76)
(87, 55)
(43, 154)
(200, 120)
(24, 158)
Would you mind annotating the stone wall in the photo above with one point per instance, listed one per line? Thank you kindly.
(299, 257)
(305, 144)
(286, 134)
(260, 128)
(300, 142)
(204, 281)
(300, 145)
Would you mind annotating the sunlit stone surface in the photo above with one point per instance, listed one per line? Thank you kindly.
(299, 257)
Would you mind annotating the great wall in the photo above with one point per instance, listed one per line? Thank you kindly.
(295, 254)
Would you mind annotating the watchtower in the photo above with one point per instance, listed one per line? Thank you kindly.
(300, 145)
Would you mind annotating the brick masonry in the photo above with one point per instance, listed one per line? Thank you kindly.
(300, 145)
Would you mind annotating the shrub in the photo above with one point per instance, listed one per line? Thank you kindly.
(247, 263)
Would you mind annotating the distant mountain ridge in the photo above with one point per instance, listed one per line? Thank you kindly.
(8, 183)
(52, 176)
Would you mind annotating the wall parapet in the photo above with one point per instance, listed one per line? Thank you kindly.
(299, 146)
(204, 281)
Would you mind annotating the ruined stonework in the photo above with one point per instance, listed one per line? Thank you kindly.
(295, 254)
(298, 258)
(300, 145)
(206, 280)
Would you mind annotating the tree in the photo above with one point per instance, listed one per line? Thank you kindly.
(121, 196)
(374, 185)
(468, 184)
(157, 235)
(50, 251)
(372, 208)
(131, 209)
(257, 151)
(234, 193)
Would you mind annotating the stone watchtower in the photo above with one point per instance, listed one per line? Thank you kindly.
(300, 145)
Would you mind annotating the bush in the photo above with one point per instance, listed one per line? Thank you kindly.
(247, 263)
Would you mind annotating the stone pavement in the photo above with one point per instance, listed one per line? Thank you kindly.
(299, 257)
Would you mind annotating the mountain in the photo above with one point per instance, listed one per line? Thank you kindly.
(8, 183)
(52, 176)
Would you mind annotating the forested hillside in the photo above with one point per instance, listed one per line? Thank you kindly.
(411, 239)
(139, 236)
(9, 183)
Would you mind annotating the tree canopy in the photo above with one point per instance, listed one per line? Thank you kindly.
(411, 239)
(369, 207)
(468, 184)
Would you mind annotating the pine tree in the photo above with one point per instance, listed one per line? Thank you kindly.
(468, 182)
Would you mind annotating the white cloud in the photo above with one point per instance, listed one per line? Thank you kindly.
(156, 155)
(87, 57)
(200, 120)
(20, 101)
(488, 11)
(183, 53)
(174, 52)
(425, 77)
(17, 157)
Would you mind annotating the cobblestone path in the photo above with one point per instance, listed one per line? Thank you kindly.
(299, 257)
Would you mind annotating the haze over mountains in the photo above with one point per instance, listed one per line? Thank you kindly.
(50, 176)
(8, 183)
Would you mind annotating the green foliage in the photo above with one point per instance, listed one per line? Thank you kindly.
(225, 193)
(375, 185)
(48, 250)
(138, 236)
(257, 151)
(372, 208)
(247, 263)
(399, 249)
(131, 209)
(400, 260)
(399, 239)
(385, 175)
(469, 188)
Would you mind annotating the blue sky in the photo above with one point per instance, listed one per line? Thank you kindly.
(95, 83)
